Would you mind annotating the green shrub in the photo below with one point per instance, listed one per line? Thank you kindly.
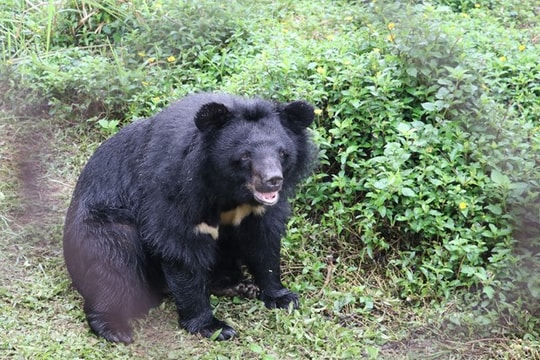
(184, 31)
(418, 157)
(464, 5)
(89, 23)
(107, 60)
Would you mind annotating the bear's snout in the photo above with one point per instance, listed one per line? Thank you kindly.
(267, 182)
(267, 175)
(274, 183)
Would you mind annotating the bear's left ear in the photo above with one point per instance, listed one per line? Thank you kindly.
(212, 115)
(298, 115)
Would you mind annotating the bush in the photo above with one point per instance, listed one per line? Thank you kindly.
(109, 61)
(422, 167)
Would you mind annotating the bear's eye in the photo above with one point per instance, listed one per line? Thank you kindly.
(245, 156)
(283, 154)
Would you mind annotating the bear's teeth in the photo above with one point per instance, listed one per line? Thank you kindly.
(267, 198)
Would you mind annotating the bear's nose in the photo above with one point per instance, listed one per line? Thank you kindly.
(274, 183)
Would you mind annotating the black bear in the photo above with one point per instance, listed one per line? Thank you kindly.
(179, 203)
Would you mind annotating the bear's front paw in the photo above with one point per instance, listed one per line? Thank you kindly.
(215, 329)
(281, 299)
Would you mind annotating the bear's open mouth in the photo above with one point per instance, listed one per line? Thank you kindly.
(269, 198)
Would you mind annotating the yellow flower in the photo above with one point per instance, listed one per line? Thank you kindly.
(502, 58)
(141, 54)
(522, 47)
(321, 70)
(391, 38)
(477, 5)
(391, 26)
(462, 205)
(318, 112)
(151, 60)
(171, 59)
(144, 83)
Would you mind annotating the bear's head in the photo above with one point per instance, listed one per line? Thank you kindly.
(255, 149)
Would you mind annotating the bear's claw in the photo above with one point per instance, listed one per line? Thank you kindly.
(280, 299)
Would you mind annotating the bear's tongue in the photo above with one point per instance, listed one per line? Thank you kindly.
(269, 198)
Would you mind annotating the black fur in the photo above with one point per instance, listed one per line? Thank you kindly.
(178, 203)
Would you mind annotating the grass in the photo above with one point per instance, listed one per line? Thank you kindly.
(70, 71)
(41, 315)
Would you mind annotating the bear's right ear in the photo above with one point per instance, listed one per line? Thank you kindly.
(212, 116)
(299, 115)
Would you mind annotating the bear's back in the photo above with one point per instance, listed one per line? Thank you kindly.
(183, 112)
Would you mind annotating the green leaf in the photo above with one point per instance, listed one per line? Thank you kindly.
(489, 291)
(403, 127)
(408, 192)
(256, 348)
(500, 179)
(495, 209)
(412, 72)
(380, 184)
(429, 106)
(216, 334)
(534, 287)
(372, 352)
(442, 93)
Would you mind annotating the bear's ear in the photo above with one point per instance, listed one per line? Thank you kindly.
(212, 116)
(298, 115)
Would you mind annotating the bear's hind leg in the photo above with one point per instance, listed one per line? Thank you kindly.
(106, 317)
(228, 278)
(232, 281)
(108, 268)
